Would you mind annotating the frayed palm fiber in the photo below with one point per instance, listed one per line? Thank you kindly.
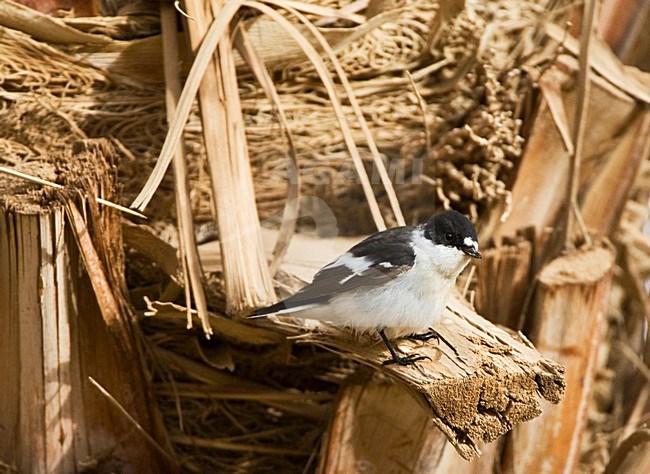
(473, 101)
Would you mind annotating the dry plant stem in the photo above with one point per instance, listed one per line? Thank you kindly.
(634, 45)
(44, 27)
(423, 109)
(197, 391)
(177, 7)
(504, 280)
(291, 208)
(192, 271)
(616, 144)
(570, 218)
(247, 278)
(550, 87)
(58, 416)
(379, 163)
(605, 64)
(170, 50)
(603, 202)
(633, 455)
(142, 239)
(108, 303)
(229, 446)
(635, 283)
(427, 137)
(254, 282)
(22, 340)
(636, 416)
(326, 11)
(448, 9)
(132, 420)
(635, 360)
(353, 7)
(220, 382)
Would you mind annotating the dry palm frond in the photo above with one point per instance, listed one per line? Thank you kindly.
(291, 208)
(192, 271)
(203, 58)
(385, 179)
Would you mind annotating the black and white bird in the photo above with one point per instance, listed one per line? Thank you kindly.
(396, 282)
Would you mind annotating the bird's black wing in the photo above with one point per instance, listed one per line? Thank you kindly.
(376, 260)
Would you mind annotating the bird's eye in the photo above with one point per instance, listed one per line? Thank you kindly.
(449, 236)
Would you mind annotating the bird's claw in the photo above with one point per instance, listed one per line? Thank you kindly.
(426, 336)
(405, 360)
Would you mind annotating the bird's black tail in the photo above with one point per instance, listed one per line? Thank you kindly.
(262, 312)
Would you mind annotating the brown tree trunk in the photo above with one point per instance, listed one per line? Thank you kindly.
(567, 321)
(57, 330)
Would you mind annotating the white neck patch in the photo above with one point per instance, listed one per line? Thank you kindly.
(447, 261)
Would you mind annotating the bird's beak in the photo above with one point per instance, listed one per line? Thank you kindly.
(472, 252)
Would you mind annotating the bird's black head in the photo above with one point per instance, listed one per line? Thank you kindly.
(453, 229)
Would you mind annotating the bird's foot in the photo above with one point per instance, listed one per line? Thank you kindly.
(396, 358)
(405, 360)
(425, 336)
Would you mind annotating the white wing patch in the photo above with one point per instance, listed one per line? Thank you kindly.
(347, 278)
(386, 264)
(355, 264)
(471, 243)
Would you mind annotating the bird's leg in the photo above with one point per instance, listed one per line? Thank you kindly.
(425, 336)
(398, 359)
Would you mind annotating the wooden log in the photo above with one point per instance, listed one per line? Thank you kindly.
(567, 320)
(54, 334)
(614, 149)
(366, 437)
(479, 383)
(504, 278)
